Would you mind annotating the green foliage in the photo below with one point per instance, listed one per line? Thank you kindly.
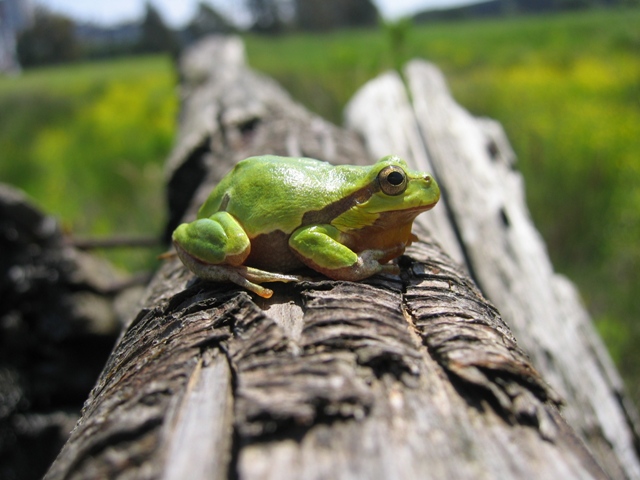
(51, 39)
(88, 142)
(566, 89)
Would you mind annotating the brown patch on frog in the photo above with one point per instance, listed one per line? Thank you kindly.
(271, 252)
(331, 211)
(224, 203)
(391, 231)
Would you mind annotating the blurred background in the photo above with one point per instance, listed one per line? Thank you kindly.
(88, 107)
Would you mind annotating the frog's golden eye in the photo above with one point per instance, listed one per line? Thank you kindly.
(392, 180)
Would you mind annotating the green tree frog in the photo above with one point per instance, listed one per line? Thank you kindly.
(271, 215)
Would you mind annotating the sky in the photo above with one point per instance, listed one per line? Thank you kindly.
(178, 12)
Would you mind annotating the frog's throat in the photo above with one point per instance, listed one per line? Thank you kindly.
(372, 237)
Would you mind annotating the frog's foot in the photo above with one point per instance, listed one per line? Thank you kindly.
(366, 265)
(246, 277)
(369, 263)
(249, 278)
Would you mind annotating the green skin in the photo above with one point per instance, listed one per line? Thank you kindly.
(275, 214)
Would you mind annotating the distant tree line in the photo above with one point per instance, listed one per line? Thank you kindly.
(53, 38)
(50, 39)
(498, 8)
(276, 16)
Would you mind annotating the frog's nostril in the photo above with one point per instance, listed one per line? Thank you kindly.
(428, 180)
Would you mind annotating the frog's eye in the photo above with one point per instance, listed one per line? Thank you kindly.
(393, 180)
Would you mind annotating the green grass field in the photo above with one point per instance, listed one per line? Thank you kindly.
(88, 141)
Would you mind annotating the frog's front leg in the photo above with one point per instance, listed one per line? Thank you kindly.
(318, 246)
(214, 249)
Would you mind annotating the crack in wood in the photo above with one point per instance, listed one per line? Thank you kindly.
(468, 338)
(351, 334)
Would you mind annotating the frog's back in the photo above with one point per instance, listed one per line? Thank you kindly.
(270, 193)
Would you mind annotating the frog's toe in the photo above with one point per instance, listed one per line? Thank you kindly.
(257, 289)
(262, 276)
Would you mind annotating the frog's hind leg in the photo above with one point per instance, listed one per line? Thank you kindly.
(248, 275)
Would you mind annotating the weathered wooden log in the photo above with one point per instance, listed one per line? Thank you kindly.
(406, 376)
(485, 202)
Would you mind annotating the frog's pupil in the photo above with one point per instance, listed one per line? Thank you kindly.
(395, 178)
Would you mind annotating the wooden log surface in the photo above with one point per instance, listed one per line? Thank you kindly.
(506, 256)
(406, 376)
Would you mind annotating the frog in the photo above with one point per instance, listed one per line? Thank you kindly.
(272, 215)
